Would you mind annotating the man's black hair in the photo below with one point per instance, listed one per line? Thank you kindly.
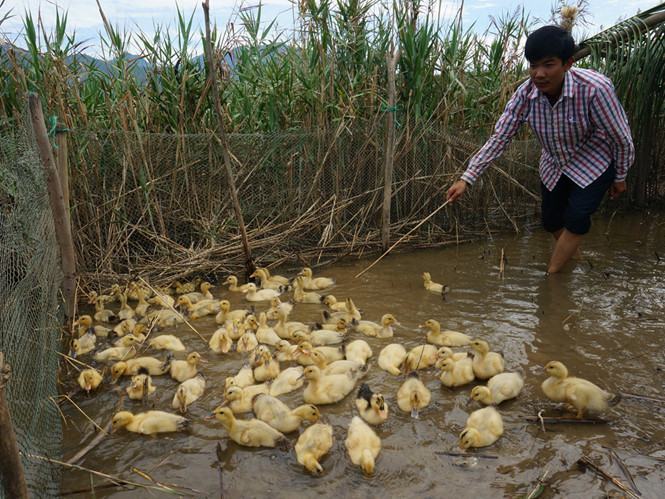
(549, 41)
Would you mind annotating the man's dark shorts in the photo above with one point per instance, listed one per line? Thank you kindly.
(570, 206)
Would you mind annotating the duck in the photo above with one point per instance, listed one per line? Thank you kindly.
(264, 333)
(167, 342)
(266, 366)
(362, 445)
(483, 428)
(240, 399)
(247, 342)
(503, 386)
(84, 323)
(124, 327)
(226, 314)
(84, 344)
(111, 297)
(182, 370)
(302, 296)
(420, 357)
(278, 415)
(232, 282)
(244, 377)
(286, 352)
(485, 363)
(276, 305)
(413, 395)
(278, 278)
(141, 386)
(322, 337)
(249, 433)
(188, 392)
(102, 314)
(254, 294)
(446, 353)
(220, 341)
(116, 353)
(287, 381)
(312, 445)
(89, 379)
(391, 357)
(125, 312)
(432, 286)
(165, 318)
(139, 365)
(456, 373)
(358, 351)
(162, 300)
(350, 313)
(149, 423)
(141, 308)
(199, 296)
(286, 329)
(580, 393)
(305, 350)
(327, 389)
(444, 338)
(336, 367)
(372, 406)
(182, 288)
(331, 302)
(383, 330)
(198, 309)
(266, 282)
(134, 288)
(310, 282)
(130, 339)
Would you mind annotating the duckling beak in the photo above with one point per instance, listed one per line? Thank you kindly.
(209, 416)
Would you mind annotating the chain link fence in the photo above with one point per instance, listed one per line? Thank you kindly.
(30, 309)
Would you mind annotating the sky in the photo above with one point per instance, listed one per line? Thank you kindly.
(142, 15)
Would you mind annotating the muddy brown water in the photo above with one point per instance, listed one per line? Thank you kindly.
(604, 318)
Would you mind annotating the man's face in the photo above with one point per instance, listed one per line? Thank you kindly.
(548, 74)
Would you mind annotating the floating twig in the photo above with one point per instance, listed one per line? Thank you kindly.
(642, 397)
(502, 263)
(540, 488)
(465, 454)
(543, 420)
(584, 463)
(625, 470)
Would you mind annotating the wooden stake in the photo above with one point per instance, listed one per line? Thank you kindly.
(62, 160)
(212, 75)
(63, 230)
(391, 59)
(11, 468)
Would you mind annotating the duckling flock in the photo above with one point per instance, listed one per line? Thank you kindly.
(282, 355)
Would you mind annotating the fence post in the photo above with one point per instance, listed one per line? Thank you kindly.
(10, 461)
(63, 230)
(391, 59)
(62, 160)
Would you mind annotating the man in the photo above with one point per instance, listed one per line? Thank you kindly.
(583, 131)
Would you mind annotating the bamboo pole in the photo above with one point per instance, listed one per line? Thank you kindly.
(63, 230)
(391, 59)
(212, 75)
(10, 462)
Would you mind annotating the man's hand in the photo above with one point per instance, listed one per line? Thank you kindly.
(456, 190)
(616, 189)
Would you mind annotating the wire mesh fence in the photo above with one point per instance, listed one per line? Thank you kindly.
(30, 310)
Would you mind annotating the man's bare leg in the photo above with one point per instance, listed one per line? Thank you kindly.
(565, 248)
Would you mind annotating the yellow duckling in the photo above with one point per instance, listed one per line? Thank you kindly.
(485, 363)
(254, 294)
(327, 389)
(188, 392)
(583, 395)
(247, 342)
(165, 318)
(162, 300)
(232, 282)
(332, 354)
(102, 314)
(363, 445)
(251, 432)
(182, 370)
(126, 312)
(141, 307)
(276, 305)
(182, 288)
(266, 367)
(286, 329)
(278, 415)
(244, 377)
(310, 282)
(85, 343)
(130, 339)
(89, 379)
(432, 286)
(391, 357)
(372, 406)
(116, 353)
(220, 342)
(413, 395)
(322, 337)
(420, 357)
(111, 297)
(287, 381)
(358, 351)
(483, 428)
(198, 309)
(264, 333)
(286, 352)
(204, 294)
(144, 365)
(167, 342)
(444, 338)
(134, 288)
(348, 315)
(302, 296)
(337, 367)
(226, 314)
(141, 386)
(124, 327)
(84, 323)
(446, 353)
(383, 330)
(149, 423)
(240, 400)
(331, 302)
(277, 278)
(456, 373)
(504, 386)
(312, 445)
(266, 282)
